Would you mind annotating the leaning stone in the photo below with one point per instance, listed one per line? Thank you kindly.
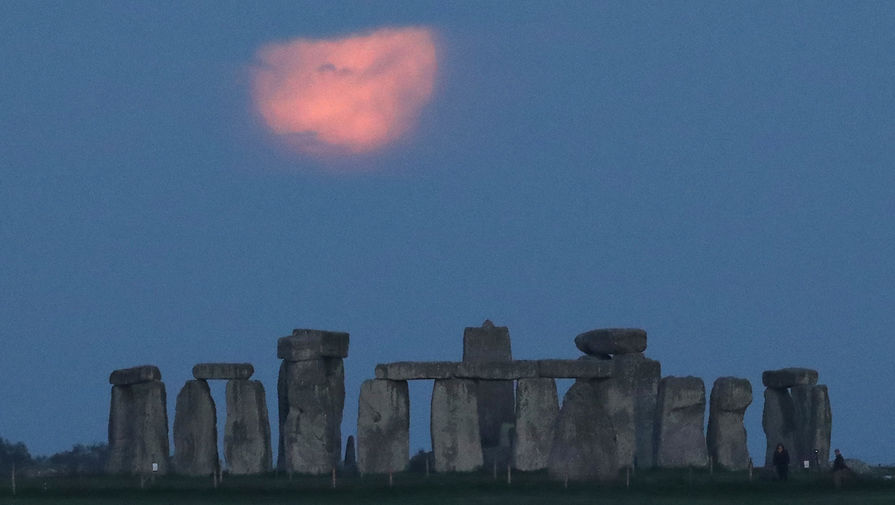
(415, 370)
(313, 398)
(778, 422)
(788, 377)
(726, 438)
(575, 369)
(135, 375)
(537, 408)
(680, 414)
(138, 429)
(383, 426)
(312, 344)
(497, 370)
(813, 422)
(456, 441)
(247, 431)
(223, 371)
(195, 430)
(612, 341)
(584, 446)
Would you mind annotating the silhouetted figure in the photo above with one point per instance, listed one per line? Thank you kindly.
(840, 469)
(781, 462)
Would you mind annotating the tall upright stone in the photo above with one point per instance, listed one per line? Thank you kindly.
(778, 422)
(195, 430)
(813, 421)
(646, 392)
(456, 442)
(247, 430)
(584, 445)
(633, 390)
(537, 409)
(726, 437)
(485, 344)
(138, 422)
(383, 426)
(680, 414)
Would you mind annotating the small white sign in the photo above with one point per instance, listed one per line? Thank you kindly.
(155, 466)
(805, 463)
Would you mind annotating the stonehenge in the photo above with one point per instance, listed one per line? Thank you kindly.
(486, 410)
(726, 435)
(138, 422)
(797, 414)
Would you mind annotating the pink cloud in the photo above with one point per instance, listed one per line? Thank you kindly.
(351, 95)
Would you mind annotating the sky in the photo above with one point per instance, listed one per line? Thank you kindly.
(719, 174)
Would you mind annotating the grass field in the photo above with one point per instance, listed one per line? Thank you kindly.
(665, 487)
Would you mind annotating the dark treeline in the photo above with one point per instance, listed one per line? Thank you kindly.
(80, 460)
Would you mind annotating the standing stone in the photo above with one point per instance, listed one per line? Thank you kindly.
(456, 442)
(537, 409)
(813, 423)
(138, 429)
(778, 422)
(680, 414)
(632, 391)
(195, 430)
(726, 432)
(383, 426)
(646, 392)
(312, 397)
(247, 431)
(486, 344)
(584, 446)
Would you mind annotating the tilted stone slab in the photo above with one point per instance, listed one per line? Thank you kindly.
(456, 441)
(306, 344)
(311, 396)
(537, 408)
(584, 446)
(138, 429)
(497, 370)
(247, 430)
(135, 375)
(575, 369)
(612, 341)
(726, 435)
(813, 423)
(778, 423)
(788, 377)
(223, 371)
(416, 370)
(383, 426)
(680, 414)
(195, 430)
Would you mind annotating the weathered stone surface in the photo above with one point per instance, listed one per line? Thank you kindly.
(223, 371)
(612, 341)
(383, 426)
(575, 368)
(483, 350)
(135, 375)
(680, 414)
(415, 370)
(537, 409)
(631, 404)
(195, 430)
(456, 441)
(813, 423)
(788, 377)
(778, 422)
(726, 438)
(313, 397)
(247, 430)
(648, 373)
(138, 429)
(584, 446)
(312, 345)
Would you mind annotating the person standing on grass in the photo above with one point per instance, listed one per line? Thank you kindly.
(839, 469)
(781, 462)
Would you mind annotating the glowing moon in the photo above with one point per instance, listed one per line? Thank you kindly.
(350, 95)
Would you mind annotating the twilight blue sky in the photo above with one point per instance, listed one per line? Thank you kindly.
(720, 174)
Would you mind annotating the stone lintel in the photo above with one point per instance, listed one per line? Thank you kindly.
(414, 370)
(495, 370)
(575, 369)
(305, 345)
(223, 371)
(788, 377)
(135, 375)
